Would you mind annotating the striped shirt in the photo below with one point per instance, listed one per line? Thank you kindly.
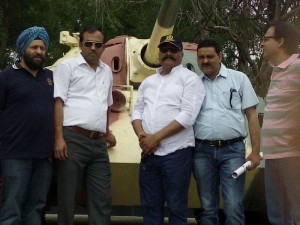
(281, 125)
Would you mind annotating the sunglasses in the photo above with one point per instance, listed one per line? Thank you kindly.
(172, 49)
(89, 44)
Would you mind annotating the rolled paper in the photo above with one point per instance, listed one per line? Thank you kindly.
(242, 169)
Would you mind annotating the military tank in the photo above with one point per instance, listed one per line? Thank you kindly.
(131, 61)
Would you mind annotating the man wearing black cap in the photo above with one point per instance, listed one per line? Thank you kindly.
(166, 108)
(26, 131)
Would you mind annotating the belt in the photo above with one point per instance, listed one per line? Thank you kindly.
(87, 133)
(220, 143)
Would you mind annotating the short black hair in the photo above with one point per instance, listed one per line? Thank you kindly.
(210, 43)
(90, 30)
(289, 33)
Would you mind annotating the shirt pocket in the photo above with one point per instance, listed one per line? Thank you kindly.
(172, 94)
(231, 100)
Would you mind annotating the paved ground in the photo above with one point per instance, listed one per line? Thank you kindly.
(116, 220)
(134, 220)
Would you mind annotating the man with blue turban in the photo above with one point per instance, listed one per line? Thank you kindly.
(26, 131)
(30, 34)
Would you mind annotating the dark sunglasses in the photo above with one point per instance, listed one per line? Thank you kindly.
(172, 49)
(89, 44)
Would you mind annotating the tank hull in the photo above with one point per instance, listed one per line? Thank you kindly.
(131, 61)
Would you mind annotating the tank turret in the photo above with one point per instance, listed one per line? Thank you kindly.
(146, 50)
(71, 41)
(164, 25)
(131, 61)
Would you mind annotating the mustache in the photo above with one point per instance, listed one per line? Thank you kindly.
(39, 56)
(205, 64)
(168, 57)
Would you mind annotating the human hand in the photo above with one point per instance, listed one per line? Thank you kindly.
(60, 149)
(110, 139)
(255, 159)
(149, 143)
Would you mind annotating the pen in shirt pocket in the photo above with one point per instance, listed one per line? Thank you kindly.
(231, 93)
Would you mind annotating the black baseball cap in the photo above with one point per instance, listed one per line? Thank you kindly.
(171, 39)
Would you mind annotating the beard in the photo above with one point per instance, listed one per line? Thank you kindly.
(31, 63)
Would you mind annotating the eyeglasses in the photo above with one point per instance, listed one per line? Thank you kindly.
(89, 44)
(266, 38)
(172, 49)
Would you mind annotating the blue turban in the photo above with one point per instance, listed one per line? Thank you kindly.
(30, 34)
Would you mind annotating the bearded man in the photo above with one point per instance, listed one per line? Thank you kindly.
(26, 131)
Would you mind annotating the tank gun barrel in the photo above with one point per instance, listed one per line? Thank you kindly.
(164, 25)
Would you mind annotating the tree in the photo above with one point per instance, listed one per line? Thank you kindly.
(239, 26)
(12, 21)
(72, 15)
(55, 15)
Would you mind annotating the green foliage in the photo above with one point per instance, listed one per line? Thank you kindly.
(115, 17)
(8, 58)
(237, 25)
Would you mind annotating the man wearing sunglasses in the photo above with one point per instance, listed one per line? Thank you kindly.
(83, 96)
(220, 129)
(164, 114)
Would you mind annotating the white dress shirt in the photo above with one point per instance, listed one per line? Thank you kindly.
(162, 99)
(86, 93)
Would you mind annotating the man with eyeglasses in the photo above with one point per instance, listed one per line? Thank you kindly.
(165, 111)
(220, 130)
(83, 96)
(281, 125)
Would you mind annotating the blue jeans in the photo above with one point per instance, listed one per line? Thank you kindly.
(165, 178)
(282, 186)
(26, 184)
(213, 167)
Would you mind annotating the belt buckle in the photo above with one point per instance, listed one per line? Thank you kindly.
(219, 143)
(216, 143)
(92, 135)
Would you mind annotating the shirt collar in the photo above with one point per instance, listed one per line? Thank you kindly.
(17, 66)
(174, 69)
(80, 60)
(287, 62)
(222, 72)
